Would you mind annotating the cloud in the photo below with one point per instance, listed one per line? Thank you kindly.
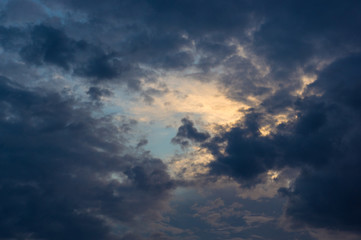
(188, 132)
(50, 45)
(101, 67)
(327, 197)
(322, 141)
(215, 214)
(10, 37)
(95, 93)
(66, 174)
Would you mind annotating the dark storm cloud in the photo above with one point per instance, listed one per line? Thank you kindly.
(188, 132)
(49, 45)
(246, 157)
(329, 196)
(299, 34)
(64, 172)
(164, 35)
(287, 36)
(324, 142)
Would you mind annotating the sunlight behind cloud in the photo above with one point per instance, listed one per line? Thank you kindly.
(202, 101)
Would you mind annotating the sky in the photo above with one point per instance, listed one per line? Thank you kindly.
(180, 120)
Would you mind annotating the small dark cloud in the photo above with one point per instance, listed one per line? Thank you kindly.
(188, 132)
(142, 143)
(95, 93)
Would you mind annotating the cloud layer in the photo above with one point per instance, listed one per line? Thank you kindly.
(87, 86)
(66, 174)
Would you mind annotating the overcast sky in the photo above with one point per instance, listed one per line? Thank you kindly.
(180, 120)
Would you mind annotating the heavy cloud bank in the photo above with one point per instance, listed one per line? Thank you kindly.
(66, 174)
(323, 141)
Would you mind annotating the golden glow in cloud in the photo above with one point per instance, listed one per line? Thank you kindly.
(203, 102)
(191, 164)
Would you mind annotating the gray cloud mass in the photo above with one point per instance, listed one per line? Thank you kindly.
(70, 168)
